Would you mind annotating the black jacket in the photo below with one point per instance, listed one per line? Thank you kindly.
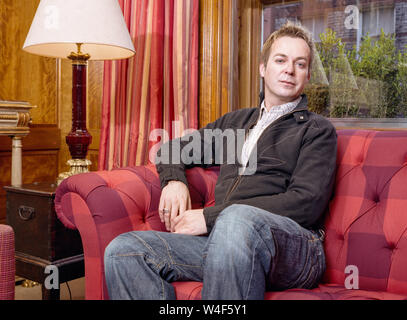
(294, 165)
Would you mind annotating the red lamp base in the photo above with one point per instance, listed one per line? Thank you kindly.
(78, 139)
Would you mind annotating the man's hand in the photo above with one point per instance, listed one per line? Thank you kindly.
(174, 200)
(191, 222)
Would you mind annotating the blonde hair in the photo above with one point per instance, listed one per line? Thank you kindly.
(289, 29)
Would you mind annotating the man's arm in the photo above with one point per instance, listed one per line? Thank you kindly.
(310, 187)
(172, 159)
(193, 149)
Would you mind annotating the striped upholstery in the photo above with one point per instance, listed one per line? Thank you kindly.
(7, 263)
(366, 225)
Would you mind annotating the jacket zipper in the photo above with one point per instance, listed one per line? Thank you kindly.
(232, 188)
(237, 180)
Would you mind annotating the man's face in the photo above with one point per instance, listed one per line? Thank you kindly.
(287, 70)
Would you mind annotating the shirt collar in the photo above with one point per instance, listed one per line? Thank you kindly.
(282, 108)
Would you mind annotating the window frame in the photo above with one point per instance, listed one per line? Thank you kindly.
(377, 9)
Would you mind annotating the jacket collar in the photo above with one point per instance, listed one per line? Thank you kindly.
(300, 112)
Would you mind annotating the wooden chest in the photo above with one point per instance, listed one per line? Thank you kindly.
(40, 238)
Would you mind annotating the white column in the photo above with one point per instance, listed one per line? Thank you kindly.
(16, 162)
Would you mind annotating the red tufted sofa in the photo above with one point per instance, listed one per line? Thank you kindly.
(366, 225)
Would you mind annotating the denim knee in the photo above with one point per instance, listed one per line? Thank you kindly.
(121, 245)
(255, 218)
(238, 215)
(245, 226)
(233, 230)
(233, 214)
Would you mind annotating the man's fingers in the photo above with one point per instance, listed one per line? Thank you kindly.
(166, 213)
(189, 206)
(167, 217)
(160, 209)
(182, 207)
(176, 222)
(173, 214)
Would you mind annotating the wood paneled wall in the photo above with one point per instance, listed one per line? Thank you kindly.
(230, 44)
(24, 76)
(249, 52)
(46, 83)
(218, 59)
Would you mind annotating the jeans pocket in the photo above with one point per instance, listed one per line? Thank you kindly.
(314, 267)
(309, 281)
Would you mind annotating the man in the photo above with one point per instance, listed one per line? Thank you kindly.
(263, 233)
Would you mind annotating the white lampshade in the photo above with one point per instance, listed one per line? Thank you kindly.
(98, 24)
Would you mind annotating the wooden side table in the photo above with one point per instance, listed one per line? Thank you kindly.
(41, 240)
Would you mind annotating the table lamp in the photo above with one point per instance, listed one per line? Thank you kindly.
(79, 30)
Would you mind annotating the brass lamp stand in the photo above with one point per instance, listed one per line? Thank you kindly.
(78, 138)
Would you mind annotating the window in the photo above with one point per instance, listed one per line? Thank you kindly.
(375, 19)
(360, 69)
(316, 25)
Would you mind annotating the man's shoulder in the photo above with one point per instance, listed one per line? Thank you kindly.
(320, 120)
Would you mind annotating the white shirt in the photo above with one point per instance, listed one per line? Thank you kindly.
(266, 118)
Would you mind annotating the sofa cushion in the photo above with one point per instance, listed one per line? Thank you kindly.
(332, 292)
(190, 290)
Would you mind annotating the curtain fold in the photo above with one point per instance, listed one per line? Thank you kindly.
(155, 89)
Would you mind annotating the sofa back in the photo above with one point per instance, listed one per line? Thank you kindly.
(366, 226)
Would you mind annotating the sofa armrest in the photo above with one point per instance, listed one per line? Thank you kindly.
(104, 204)
(7, 263)
(122, 197)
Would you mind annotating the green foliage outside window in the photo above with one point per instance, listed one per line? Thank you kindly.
(370, 82)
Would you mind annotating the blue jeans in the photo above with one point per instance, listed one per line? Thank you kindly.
(248, 252)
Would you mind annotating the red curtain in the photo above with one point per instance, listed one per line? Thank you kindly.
(155, 89)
